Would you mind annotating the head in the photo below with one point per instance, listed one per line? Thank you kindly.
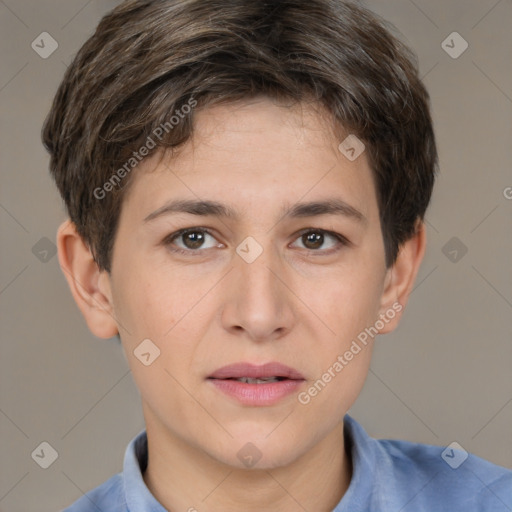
(251, 109)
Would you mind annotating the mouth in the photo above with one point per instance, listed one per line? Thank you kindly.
(248, 380)
(264, 373)
(256, 385)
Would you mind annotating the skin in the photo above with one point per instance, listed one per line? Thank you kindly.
(298, 303)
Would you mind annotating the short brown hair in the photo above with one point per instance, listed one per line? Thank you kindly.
(147, 58)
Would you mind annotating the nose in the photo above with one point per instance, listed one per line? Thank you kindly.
(259, 301)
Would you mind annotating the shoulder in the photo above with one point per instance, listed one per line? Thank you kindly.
(415, 477)
(445, 477)
(107, 496)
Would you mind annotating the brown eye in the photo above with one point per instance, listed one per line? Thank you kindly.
(188, 240)
(193, 239)
(314, 240)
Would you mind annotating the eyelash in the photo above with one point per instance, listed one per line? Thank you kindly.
(173, 236)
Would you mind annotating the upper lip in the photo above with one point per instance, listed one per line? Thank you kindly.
(252, 371)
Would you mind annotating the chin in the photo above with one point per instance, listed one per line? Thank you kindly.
(259, 450)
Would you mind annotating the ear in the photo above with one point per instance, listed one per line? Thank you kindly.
(89, 286)
(400, 279)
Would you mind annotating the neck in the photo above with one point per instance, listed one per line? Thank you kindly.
(182, 477)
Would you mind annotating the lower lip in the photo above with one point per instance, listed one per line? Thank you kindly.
(257, 394)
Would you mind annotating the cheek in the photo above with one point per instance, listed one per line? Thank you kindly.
(349, 300)
(343, 359)
(148, 301)
(152, 309)
(351, 303)
(165, 308)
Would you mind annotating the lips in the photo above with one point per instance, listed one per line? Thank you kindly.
(265, 372)
(256, 385)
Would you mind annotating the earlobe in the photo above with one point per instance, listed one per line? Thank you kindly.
(401, 276)
(89, 286)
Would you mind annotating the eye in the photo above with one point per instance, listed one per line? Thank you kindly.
(191, 238)
(314, 239)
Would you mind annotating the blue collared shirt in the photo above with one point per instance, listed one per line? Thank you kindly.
(388, 476)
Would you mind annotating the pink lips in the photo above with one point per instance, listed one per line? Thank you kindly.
(261, 394)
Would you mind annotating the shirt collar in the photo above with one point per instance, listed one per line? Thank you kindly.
(138, 496)
(358, 496)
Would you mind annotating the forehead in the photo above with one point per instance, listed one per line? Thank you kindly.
(256, 153)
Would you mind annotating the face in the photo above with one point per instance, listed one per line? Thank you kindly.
(271, 283)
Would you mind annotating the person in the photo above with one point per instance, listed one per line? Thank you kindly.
(246, 184)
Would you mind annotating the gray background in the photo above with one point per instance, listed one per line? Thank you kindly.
(443, 376)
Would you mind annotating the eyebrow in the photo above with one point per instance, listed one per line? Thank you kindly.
(333, 206)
